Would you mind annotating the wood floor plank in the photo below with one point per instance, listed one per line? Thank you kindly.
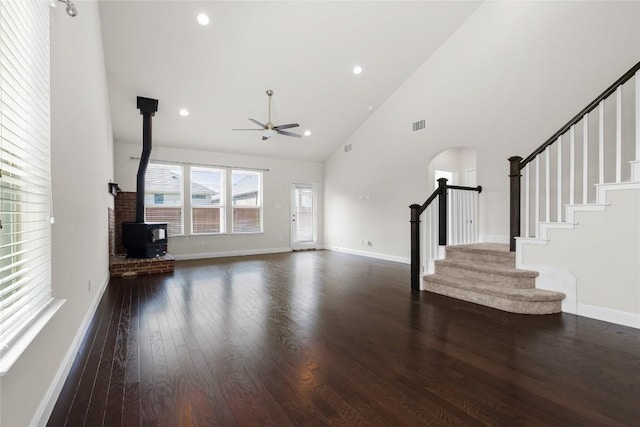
(324, 338)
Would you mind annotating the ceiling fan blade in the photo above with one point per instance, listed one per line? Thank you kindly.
(249, 129)
(258, 123)
(288, 126)
(284, 132)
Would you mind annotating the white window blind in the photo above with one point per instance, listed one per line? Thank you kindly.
(25, 207)
(207, 200)
(163, 196)
(246, 198)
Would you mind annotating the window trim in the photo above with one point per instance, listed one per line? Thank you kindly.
(227, 208)
(30, 87)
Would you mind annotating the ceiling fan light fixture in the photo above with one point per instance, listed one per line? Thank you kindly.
(307, 132)
(357, 69)
(269, 129)
(183, 112)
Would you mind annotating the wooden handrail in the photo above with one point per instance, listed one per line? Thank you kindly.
(517, 163)
(622, 80)
(425, 205)
(417, 210)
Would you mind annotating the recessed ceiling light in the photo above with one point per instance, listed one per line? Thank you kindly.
(203, 19)
(307, 132)
(357, 69)
(184, 112)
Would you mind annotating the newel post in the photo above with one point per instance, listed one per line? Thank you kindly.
(442, 211)
(415, 247)
(514, 201)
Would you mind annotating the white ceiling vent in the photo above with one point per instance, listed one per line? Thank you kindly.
(419, 125)
(347, 148)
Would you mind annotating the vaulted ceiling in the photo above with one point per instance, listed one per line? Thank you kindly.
(304, 51)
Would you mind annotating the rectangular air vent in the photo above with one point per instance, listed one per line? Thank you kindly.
(419, 125)
(347, 148)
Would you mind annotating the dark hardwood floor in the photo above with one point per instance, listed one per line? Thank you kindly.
(324, 338)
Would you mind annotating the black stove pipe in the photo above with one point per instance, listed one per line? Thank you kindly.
(147, 107)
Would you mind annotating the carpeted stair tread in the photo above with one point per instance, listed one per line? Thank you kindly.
(488, 248)
(488, 268)
(531, 295)
(492, 253)
(485, 274)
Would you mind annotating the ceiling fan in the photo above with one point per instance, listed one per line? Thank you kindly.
(268, 130)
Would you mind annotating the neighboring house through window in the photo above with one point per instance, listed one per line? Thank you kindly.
(207, 200)
(163, 196)
(220, 200)
(246, 191)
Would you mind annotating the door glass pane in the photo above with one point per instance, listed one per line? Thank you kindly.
(304, 214)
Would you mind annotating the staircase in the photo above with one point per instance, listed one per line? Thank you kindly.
(485, 274)
(565, 236)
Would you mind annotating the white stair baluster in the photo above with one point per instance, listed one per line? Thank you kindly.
(585, 159)
(619, 134)
(470, 219)
(435, 227)
(537, 201)
(637, 83)
(471, 216)
(459, 214)
(601, 142)
(476, 208)
(449, 222)
(526, 201)
(432, 236)
(559, 191)
(547, 184)
(453, 215)
(572, 165)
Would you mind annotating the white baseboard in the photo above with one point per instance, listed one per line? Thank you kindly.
(51, 396)
(609, 315)
(205, 255)
(375, 255)
(493, 238)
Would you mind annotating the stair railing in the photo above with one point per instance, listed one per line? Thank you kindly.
(544, 194)
(453, 220)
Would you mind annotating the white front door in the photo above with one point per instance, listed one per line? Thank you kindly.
(303, 223)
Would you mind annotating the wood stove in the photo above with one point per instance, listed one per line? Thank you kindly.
(140, 239)
(144, 240)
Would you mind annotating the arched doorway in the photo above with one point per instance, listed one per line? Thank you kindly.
(457, 164)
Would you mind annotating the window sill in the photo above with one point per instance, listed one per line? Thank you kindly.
(217, 234)
(27, 335)
(246, 234)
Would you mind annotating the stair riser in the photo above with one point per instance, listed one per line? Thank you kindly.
(484, 258)
(512, 306)
(498, 279)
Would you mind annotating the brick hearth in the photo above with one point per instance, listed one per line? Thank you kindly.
(121, 266)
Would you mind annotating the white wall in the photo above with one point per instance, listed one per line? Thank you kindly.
(511, 75)
(455, 160)
(277, 197)
(81, 168)
(603, 257)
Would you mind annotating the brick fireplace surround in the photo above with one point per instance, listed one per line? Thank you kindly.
(119, 264)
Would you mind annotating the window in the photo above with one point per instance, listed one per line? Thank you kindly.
(163, 196)
(25, 176)
(246, 198)
(207, 200)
